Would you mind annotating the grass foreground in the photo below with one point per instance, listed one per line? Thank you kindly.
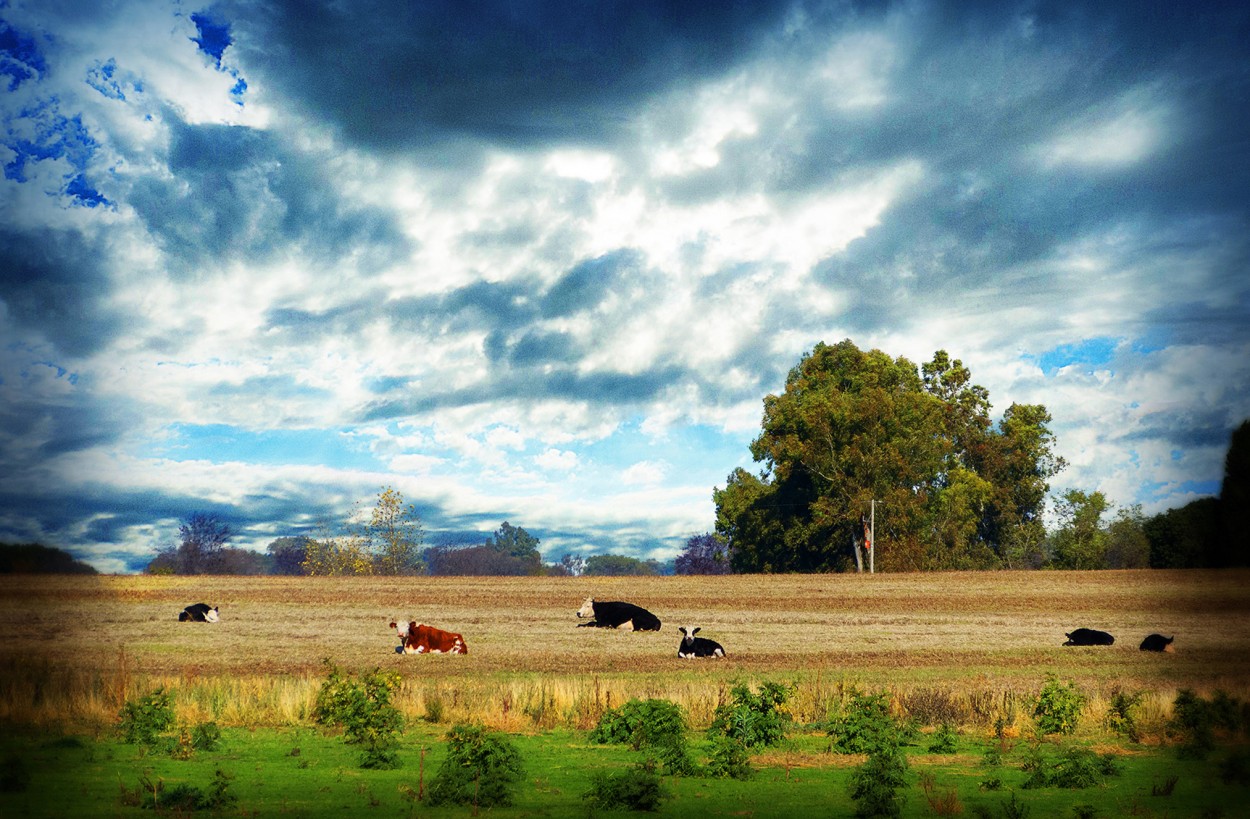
(968, 649)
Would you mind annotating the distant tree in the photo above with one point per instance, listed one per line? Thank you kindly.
(1127, 546)
(201, 537)
(394, 535)
(474, 561)
(519, 544)
(1080, 541)
(288, 554)
(1180, 538)
(1232, 546)
(853, 427)
(620, 566)
(571, 565)
(35, 558)
(334, 556)
(703, 554)
(243, 562)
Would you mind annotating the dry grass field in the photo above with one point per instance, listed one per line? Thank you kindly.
(76, 647)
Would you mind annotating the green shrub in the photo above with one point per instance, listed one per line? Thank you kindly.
(1057, 707)
(641, 724)
(875, 785)
(945, 740)
(363, 707)
(754, 720)
(184, 798)
(655, 726)
(637, 788)
(1120, 717)
(1193, 720)
(729, 759)
(145, 719)
(481, 769)
(1075, 768)
(206, 736)
(865, 726)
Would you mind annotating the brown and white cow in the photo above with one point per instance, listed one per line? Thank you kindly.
(419, 638)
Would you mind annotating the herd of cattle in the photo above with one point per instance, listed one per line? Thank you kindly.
(419, 638)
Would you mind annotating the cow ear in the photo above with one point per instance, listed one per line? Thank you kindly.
(682, 629)
(697, 629)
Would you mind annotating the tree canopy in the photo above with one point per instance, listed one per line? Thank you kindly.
(953, 490)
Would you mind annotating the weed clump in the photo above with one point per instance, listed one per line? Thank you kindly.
(865, 726)
(183, 797)
(1195, 721)
(636, 788)
(363, 707)
(945, 740)
(875, 786)
(1120, 716)
(481, 769)
(1076, 768)
(751, 719)
(1057, 707)
(655, 726)
(142, 721)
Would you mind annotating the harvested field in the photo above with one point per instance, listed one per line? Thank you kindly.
(77, 646)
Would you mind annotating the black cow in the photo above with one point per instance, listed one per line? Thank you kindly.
(1089, 637)
(198, 613)
(692, 646)
(613, 614)
(1156, 642)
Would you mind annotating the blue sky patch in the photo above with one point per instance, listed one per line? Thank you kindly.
(221, 443)
(56, 137)
(1092, 352)
(213, 37)
(20, 58)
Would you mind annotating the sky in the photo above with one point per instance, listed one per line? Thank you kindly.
(540, 262)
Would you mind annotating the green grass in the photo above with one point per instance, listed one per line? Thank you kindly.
(307, 772)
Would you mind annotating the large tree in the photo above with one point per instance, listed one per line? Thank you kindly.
(201, 538)
(518, 544)
(851, 427)
(394, 535)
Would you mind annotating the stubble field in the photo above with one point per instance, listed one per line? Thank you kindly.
(76, 648)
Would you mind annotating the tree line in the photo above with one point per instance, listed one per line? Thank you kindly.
(853, 430)
(953, 489)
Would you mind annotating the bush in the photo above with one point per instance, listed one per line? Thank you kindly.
(729, 759)
(1075, 768)
(866, 726)
(875, 785)
(945, 740)
(637, 788)
(363, 707)
(481, 769)
(145, 719)
(184, 798)
(1120, 717)
(206, 736)
(753, 720)
(1057, 707)
(1196, 720)
(1235, 770)
(655, 726)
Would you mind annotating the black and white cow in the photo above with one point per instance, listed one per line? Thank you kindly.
(692, 646)
(198, 613)
(614, 614)
(1089, 637)
(1156, 642)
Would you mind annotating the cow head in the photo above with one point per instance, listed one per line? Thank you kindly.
(689, 633)
(211, 615)
(588, 608)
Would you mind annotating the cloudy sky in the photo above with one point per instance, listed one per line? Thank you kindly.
(541, 261)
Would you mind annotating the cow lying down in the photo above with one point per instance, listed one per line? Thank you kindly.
(418, 638)
(198, 613)
(614, 614)
(1156, 642)
(1089, 637)
(692, 646)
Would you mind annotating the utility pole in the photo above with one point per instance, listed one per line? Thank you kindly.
(872, 536)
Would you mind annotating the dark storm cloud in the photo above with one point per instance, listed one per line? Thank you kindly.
(56, 284)
(242, 193)
(398, 76)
